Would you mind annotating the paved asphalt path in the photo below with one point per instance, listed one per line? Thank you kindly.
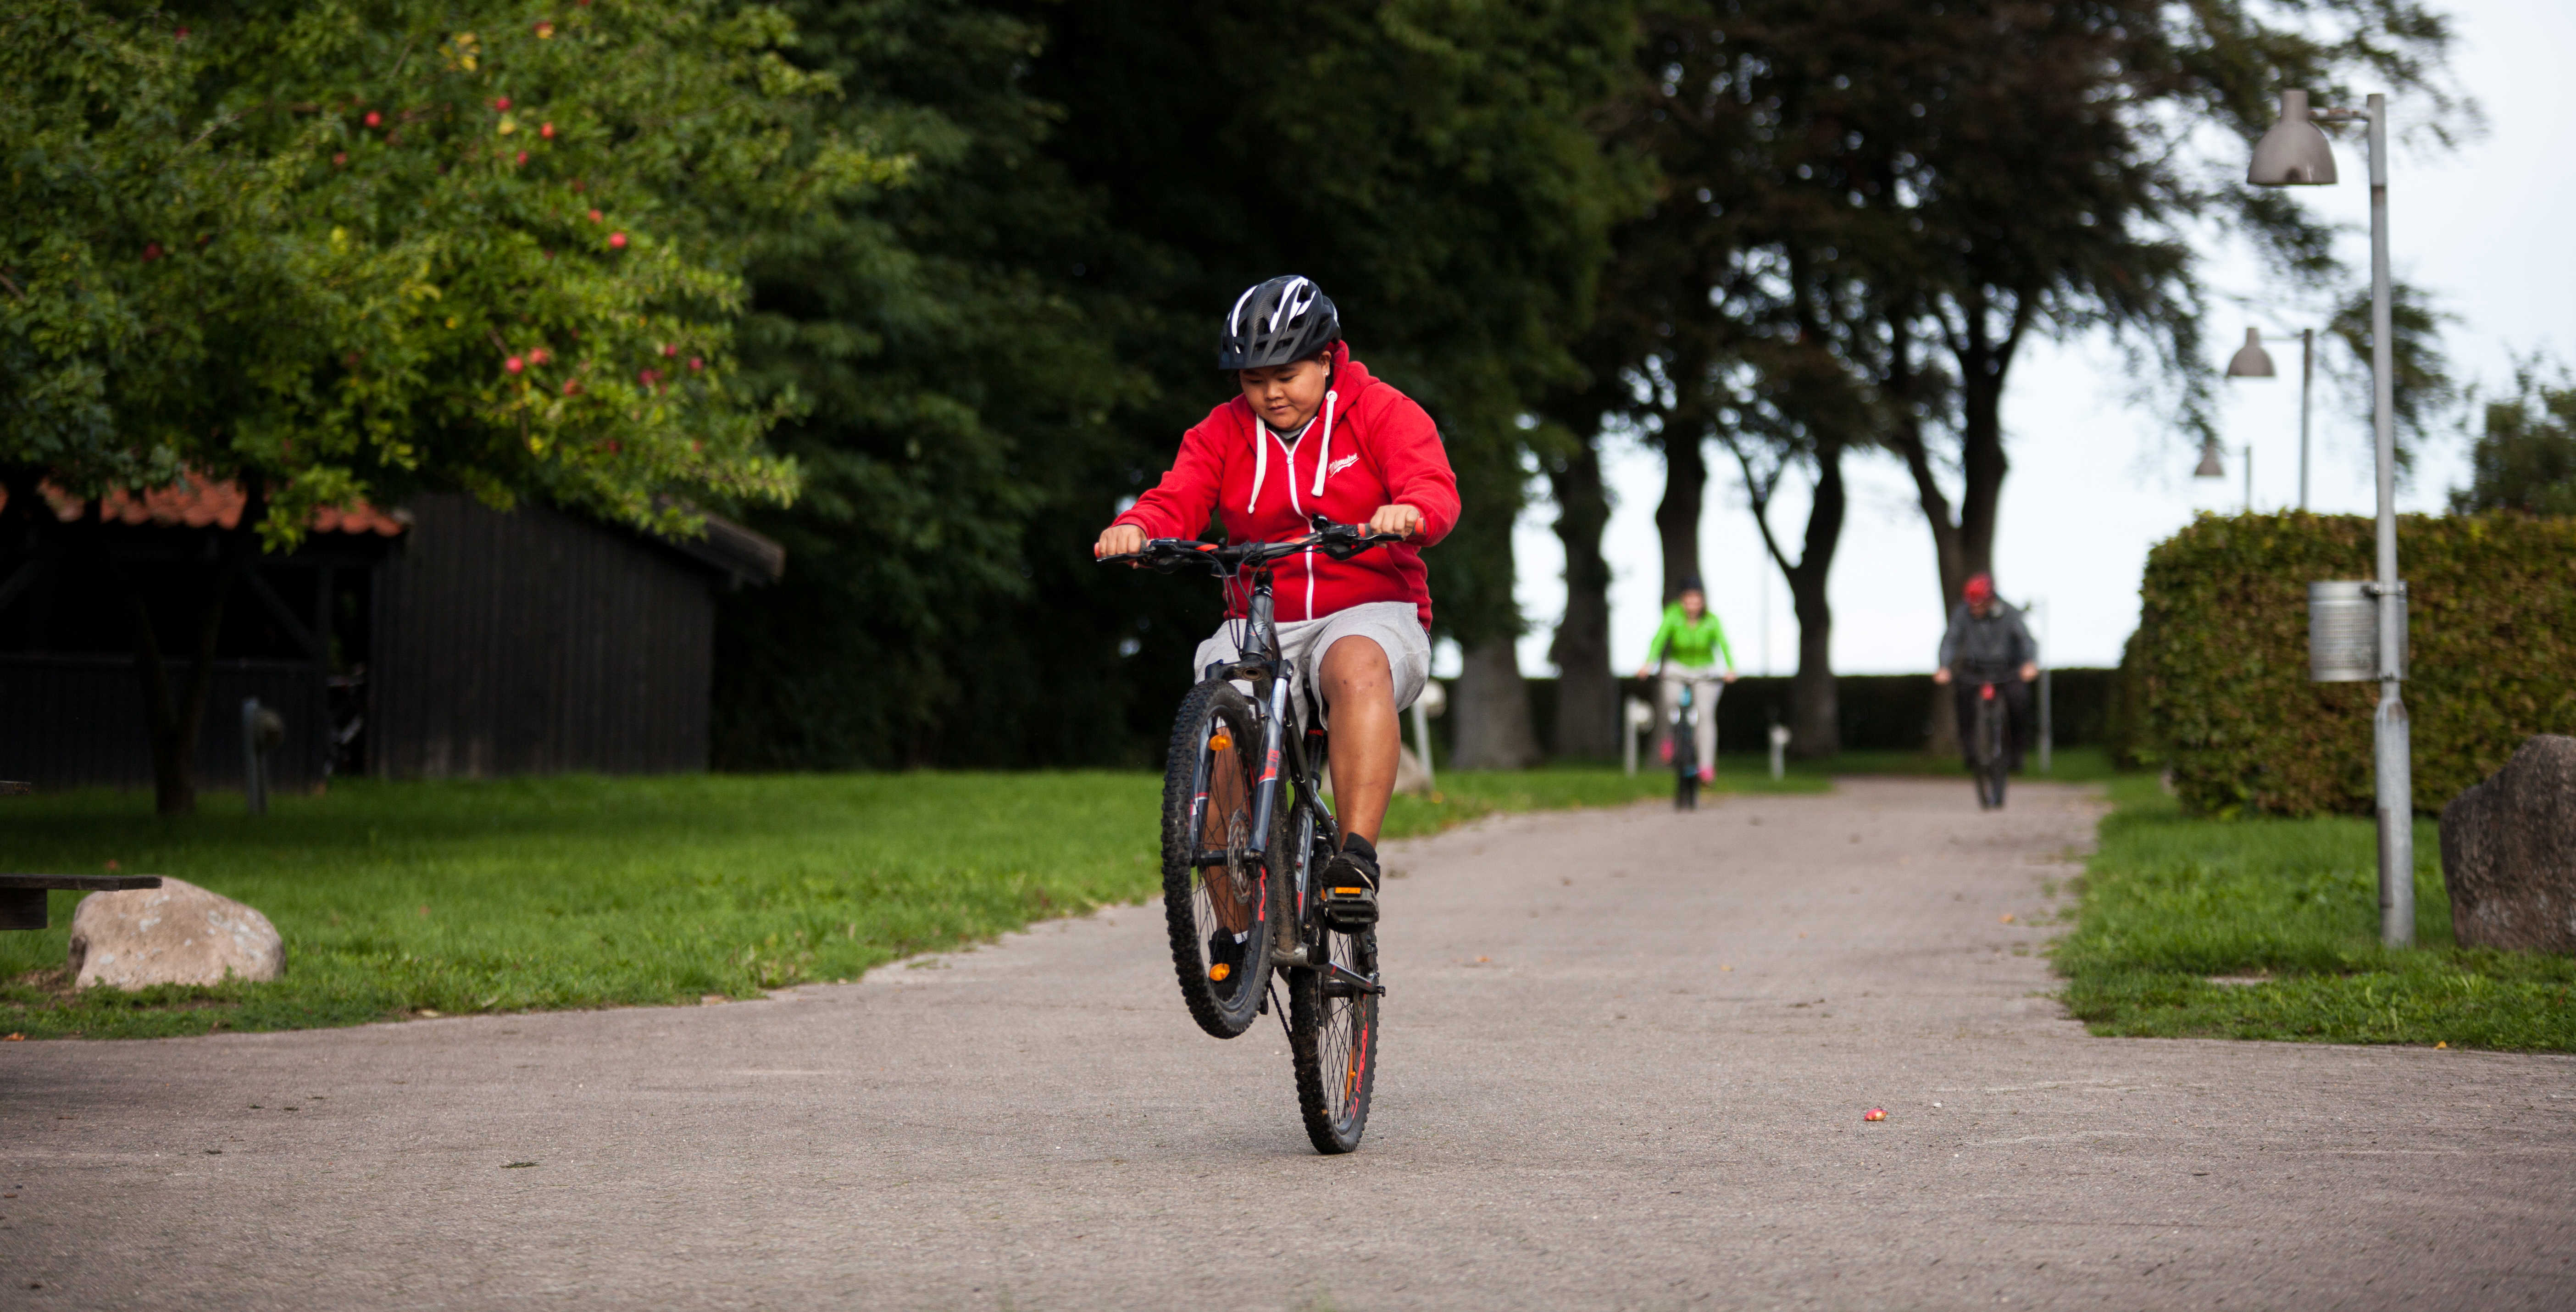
(1626, 1057)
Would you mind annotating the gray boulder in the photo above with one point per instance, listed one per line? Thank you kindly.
(175, 934)
(2509, 852)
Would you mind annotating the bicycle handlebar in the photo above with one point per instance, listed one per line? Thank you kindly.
(1339, 541)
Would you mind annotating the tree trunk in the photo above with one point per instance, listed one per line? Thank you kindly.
(1587, 693)
(1490, 709)
(1677, 519)
(173, 718)
(1963, 543)
(1815, 718)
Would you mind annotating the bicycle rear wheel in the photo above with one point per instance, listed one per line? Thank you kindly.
(1332, 1035)
(1216, 892)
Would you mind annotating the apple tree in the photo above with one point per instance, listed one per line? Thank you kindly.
(353, 248)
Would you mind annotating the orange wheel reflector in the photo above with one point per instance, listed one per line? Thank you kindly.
(1219, 971)
(1223, 741)
(1350, 890)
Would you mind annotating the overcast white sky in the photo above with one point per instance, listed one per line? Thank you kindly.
(2095, 481)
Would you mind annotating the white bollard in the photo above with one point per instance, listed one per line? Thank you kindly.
(1641, 717)
(1779, 750)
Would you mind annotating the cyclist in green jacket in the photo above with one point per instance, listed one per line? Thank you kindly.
(1686, 649)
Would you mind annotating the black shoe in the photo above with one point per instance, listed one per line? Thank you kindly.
(1349, 886)
(1225, 957)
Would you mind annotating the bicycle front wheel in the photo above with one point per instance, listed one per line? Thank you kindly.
(1990, 754)
(1216, 890)
(1332, 1036)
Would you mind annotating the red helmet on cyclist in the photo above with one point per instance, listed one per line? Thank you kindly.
(1980, 589)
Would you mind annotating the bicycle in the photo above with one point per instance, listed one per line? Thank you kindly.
(1990, 760)
(1685, 740)
(1245, 829)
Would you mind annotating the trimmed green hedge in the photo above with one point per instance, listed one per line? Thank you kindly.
(2221, 658)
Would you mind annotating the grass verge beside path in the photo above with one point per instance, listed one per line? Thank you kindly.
(2170, 903)
(537, 894)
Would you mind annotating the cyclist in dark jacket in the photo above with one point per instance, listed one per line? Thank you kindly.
(1987, 643)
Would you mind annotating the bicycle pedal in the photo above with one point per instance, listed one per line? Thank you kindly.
(1349, 907)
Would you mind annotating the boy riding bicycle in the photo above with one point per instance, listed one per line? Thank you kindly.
(1987, 643)
(1684, 651)
(1314, 433)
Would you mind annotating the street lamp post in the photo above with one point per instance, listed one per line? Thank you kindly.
(2252, 361)
(2294, 153)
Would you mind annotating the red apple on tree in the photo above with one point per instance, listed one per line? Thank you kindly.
(617, 241)
(514, 364)
(374, 119)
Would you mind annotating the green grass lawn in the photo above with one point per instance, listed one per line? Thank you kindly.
(589, 892)
(2170, 902)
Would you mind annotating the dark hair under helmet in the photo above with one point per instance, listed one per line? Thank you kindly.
(1287, 318)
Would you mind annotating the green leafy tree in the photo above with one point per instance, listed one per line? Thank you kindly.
(2526, 458)
(1991, 171)
(2422, 392)
(1429, 163)
(960, 378)
(347, 250)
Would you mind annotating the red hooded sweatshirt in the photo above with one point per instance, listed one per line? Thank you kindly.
(1369, 446)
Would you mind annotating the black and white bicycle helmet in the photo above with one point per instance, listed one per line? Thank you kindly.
(1287, 318)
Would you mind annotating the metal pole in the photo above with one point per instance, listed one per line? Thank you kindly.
(2389, 730)
(2249, 478)
(2307, 377)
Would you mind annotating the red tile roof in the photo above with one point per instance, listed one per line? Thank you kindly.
(196, 503)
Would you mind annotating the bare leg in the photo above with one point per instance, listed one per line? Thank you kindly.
(1360, 689)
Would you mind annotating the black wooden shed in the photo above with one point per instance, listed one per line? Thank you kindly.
(444, 639)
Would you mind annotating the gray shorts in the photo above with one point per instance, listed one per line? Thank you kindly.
(1395, 626)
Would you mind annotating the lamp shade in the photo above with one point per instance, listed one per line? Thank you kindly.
(2292, 152)
(2209, 465)
(2251, 360)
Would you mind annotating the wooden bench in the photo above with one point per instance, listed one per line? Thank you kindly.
(22, 897)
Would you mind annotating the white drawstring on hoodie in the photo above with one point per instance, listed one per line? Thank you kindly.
(1261, 454)
(1323, 470)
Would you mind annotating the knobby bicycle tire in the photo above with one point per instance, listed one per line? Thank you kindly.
(1992, 760)
(1218, 915)
(1332, 1037)
(1685, 732)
